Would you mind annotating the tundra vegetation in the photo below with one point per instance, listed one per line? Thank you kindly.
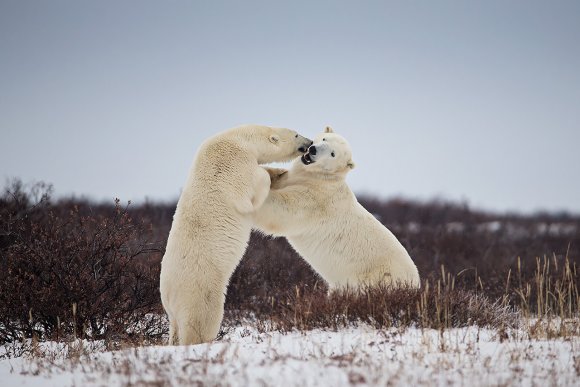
(85, 276)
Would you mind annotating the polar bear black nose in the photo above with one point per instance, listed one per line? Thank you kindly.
(304, 148)
(312, 150)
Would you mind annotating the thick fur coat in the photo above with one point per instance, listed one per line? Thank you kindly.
(212, 224)
(313, 207)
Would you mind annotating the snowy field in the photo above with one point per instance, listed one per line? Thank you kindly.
(354, 356)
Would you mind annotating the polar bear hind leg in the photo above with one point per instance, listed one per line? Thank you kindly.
(173, 332)
(201, 323)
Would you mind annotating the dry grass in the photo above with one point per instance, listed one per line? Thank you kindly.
(74, 269)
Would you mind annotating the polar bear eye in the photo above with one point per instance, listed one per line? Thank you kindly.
(296, 136)
(332, 154)
(323, 139)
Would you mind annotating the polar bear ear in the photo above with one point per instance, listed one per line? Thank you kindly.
(274, 138)
(350, 164)
(328, 129)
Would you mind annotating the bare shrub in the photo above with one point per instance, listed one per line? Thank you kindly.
(75, 267)
(69, 273)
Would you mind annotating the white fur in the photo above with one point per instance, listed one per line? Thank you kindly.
(313, 207)
(212, 225)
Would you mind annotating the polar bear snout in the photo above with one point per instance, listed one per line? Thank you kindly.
(310, 156)
(304, 147)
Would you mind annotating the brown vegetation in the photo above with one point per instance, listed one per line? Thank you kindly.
(75, 268)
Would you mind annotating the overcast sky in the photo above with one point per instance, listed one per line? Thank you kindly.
(464, 100)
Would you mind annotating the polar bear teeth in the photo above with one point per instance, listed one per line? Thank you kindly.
(306, 159)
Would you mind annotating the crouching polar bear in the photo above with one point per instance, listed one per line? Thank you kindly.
(212, 224)
(313, 207)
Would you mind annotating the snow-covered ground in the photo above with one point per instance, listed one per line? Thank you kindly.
(354, 356)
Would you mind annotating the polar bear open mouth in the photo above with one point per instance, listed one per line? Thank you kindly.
(306, 159)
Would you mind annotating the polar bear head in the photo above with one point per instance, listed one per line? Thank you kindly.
(330, 154)
(280, 144)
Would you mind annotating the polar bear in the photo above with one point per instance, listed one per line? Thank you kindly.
(212, 224)
(313, 207)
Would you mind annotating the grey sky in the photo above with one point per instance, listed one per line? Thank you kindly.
(477, 101)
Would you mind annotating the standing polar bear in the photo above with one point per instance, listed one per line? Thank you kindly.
(211, 226)
(313, 207)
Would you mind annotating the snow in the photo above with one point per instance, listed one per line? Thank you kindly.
(361, 355)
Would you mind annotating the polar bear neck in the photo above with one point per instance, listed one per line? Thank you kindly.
(251, 138)
(234, 141)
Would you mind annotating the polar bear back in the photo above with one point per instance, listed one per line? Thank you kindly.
(348, 246)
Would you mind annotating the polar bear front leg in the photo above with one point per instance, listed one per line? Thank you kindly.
(261, 187)
(277, 176)
(284, 212)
